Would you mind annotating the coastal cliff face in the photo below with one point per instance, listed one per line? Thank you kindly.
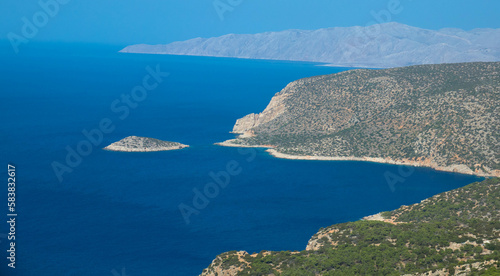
(275, 108)
(452, 233)
(143, 144)
(443, 116)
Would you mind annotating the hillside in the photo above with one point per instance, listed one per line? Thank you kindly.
(378, 46)
(443, 116)
(453, 233)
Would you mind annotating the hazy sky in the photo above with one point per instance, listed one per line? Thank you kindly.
(125, 22)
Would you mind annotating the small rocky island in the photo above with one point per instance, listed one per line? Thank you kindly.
(143, 144)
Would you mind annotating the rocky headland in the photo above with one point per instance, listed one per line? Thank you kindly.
(445, 117)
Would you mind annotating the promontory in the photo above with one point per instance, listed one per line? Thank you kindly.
(444, 116)
(143, 144)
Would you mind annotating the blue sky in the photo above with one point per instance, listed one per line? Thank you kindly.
(123, 22)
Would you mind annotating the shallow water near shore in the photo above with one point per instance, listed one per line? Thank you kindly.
(119, 211)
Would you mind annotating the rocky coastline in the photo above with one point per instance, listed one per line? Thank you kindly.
(457, 168)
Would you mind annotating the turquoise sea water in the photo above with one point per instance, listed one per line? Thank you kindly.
(119, 212)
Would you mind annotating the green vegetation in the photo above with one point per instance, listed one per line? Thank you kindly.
(456, 231)
(475, 202)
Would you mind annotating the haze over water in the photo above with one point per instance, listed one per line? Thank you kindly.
(120, 210)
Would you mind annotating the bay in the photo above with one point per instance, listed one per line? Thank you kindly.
(119, 212)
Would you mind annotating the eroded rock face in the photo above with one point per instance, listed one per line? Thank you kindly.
(143, 144)
(274, 109)
(246, 123)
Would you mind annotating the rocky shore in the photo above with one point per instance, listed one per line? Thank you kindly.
(458, 168)
(143, 144)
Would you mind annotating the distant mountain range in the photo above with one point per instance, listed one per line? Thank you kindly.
(378, 46)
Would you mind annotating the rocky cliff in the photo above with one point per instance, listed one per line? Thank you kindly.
(443, 116)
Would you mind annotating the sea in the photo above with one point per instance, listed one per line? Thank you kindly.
(82, 210)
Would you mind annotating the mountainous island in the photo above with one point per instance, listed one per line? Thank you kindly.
(452, 233)
(378, 46)
(443, 116)
(143, 144)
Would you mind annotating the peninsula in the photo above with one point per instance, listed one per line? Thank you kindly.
(444, 116)
(143, 144)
